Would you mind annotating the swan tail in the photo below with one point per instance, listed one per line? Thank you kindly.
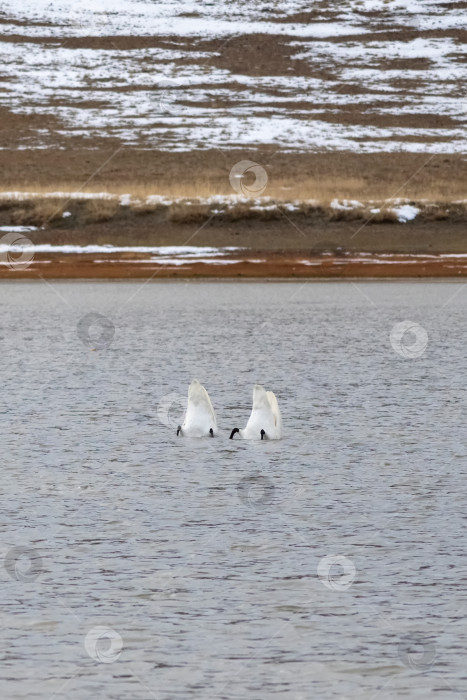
(199, 408)
(261, 423)
(275, 411)
(260, 398)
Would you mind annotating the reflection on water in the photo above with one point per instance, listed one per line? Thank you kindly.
(328, 564)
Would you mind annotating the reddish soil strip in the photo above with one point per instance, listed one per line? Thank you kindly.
(271, 265)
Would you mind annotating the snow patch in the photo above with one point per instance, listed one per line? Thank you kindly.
(346, 204)
(158, 97)
(18, 229)
(406, 212)
(183, 251)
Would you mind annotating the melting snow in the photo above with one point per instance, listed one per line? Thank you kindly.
(168, 98)
(18, 229)
(406, 212)
(185, 251)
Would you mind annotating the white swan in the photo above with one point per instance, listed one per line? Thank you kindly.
(200, 419)
(265, 422)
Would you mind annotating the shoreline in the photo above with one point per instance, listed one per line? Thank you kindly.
(311, 227)
(236, 265)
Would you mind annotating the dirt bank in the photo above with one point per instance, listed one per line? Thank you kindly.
(238, 265)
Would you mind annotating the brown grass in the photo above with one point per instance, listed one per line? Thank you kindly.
(436, 213)
(186, 213)
(36, 213)
(346, 214)
(322, 189)
(49, 210)
(96, 210)
(384, 216)
(244, 210)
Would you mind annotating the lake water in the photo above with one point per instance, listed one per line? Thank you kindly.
(138, 565)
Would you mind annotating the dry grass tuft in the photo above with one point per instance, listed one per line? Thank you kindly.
(37, 213)
(314, 209)
(186, 213)
(145, 208)
(244, 210)
(345, 214)
(435, 212)
(96, 210)
(384, 216)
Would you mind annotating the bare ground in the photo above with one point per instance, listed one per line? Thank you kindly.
(99, 161)
(116, 168)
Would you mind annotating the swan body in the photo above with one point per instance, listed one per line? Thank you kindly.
(265, 422)
(200, 419)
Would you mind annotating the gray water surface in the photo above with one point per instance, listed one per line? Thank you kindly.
(330, 564)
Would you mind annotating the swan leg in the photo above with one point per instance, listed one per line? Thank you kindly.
(263, 433)
(179, 430)
(211, 432)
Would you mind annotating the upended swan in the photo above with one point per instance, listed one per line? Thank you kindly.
(200, 419)
(265, 422)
